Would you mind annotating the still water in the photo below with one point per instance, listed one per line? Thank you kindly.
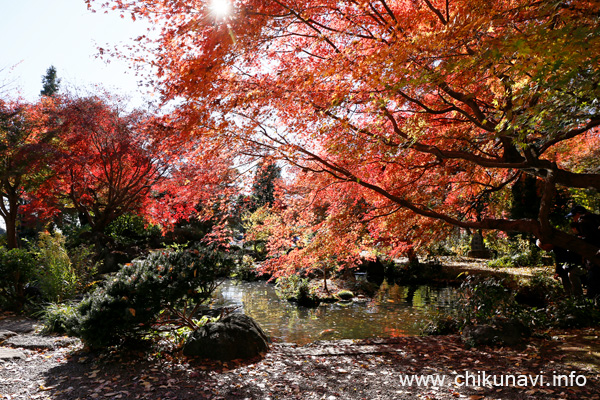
(394, 311)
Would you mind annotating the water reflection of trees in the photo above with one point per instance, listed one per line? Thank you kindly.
(394, 311)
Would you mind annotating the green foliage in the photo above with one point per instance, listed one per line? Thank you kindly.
(56, 277)
(51, 83)
(131, 229)
(82, 262)
(297, 289)
(245, 269)
(132, 300)
(539, 291)
(482, 300)
(17, 269)
(59, 318)
(514, 252)
(177, 337)
(263, 189)
(574, 313)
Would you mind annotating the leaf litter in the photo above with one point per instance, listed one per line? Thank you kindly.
(362, 369)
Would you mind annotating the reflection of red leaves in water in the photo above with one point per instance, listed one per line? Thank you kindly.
(364, 369)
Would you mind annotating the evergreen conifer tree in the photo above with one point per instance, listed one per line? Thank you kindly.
(51, 83)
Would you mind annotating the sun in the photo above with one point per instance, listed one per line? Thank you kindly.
(221, 8)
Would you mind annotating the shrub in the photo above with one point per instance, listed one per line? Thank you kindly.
(245, 269)
(17, 269)
(480, 300)
(130, 302)
(59, 318)
(539, 291)
(297, 289)
(131, 229)
(574, 313)
(56, 277)
(82, 261)
(483, 300)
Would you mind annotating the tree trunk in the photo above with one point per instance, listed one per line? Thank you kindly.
(10, 215)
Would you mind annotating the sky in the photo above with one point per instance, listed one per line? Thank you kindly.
(64, 33)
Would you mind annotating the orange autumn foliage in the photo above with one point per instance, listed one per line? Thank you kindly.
(421, 111)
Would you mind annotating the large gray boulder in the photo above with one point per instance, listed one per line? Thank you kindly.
(237, 336)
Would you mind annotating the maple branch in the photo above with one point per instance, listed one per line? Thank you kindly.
(594, 122)
(438, 12)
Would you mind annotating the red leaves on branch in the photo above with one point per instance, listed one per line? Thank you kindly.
(430, 108)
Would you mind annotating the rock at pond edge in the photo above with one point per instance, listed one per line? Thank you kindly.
(237, 336)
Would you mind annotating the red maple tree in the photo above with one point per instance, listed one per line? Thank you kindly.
(426, 111)
(25, 148)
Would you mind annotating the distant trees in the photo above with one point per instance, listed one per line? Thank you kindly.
(104, 166)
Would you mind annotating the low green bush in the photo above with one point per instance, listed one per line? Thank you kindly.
(297, 289)
(539, 291)
(245, 269)
(130, 302)
(59, 318)
(482, 300)
(574, 313)
(17, 269)
(56, 277)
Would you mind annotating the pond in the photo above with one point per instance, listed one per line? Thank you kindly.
(393, 311)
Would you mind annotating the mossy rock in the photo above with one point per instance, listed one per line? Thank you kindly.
(345, 295)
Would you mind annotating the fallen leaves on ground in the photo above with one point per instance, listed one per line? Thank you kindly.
(367, 369)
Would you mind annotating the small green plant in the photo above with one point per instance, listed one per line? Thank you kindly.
(17, 269)
(297, 289)
(59, 318)
(245, 269)
(56, 276)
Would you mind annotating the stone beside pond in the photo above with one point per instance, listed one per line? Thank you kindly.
(237, 336)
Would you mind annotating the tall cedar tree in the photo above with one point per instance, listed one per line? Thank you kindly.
(50, 82)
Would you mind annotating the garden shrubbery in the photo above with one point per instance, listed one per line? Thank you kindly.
(43, 272)
(297, 289)
(18, 270)
(482, 300)
(132, 300)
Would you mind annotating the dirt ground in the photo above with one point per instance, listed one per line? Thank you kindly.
(561, 365)
(366, 369)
